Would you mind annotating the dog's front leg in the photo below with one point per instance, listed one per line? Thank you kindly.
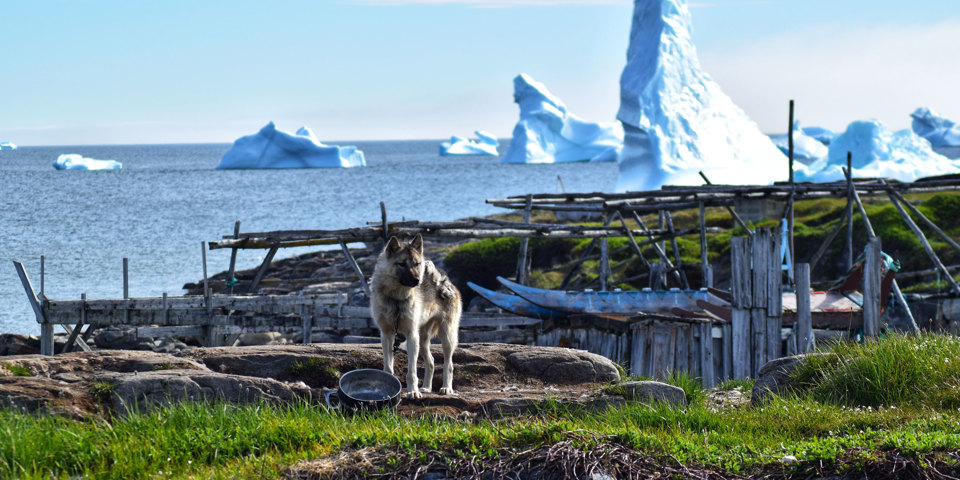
(386, 341)
(413, 348)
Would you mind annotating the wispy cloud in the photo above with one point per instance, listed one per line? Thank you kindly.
(841, 73)
(497, 3)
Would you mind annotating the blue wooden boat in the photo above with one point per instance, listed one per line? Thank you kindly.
(632, 301)
(516, 304)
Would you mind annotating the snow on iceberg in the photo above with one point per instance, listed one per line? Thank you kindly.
(806, 149)
(8, 146)
(938, 130)
(73, 161)
(274, 148)
(878, 152)
(821, 134)
(548, 133)
(676, 119)
(485, 144)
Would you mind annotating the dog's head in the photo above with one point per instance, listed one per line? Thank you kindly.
(405, 260)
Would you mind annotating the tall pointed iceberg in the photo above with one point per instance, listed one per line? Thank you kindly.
(548, 133)
(676, 120)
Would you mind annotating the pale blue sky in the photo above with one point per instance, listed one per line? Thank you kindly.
(92, 72)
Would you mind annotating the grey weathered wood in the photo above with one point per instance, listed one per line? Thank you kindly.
(926, 244)
(263, 269)
(706, 356)
(76, 330)
(703, 245)
(740, 274)
(926, 221)
(733, 213)
(848, 212)
(871, 289)
(46, 339)
(758, 334)
(676, 250)
(740, 343)
(28, 289)
(666, 263)
(604, 263)
(803, 327)
(774, 342)
(844, 220)
(231, 273)
(384, 226)
(631, 239)
(726, 355)
(583, 257)
(774, 285)
(126, 282)
(73, 333)
(760, 254)
(43, 276)
(356, 268)
(525, 245)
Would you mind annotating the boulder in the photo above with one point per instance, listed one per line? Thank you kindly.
(776, 376)
(648, 391)
(563, 365)
(143, 392)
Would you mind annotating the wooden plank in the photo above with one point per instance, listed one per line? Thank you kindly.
(704, 265)
(707, 378)
(774, 286)
(758, 334)
(741, 342)
(525, 245)
(871, 289)
(604, 263)
(676, 250)
(356, 268)
(682, 352)
(849, 212)
(761, 261)
(774, 345)
(638, 349)
(657, 248)
(733, 213)
(726, 351)
(803, 327)
(740, 274)
(263, 269)
(926, 244)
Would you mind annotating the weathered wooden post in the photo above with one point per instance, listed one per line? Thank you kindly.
(46, 329)
(871, 289)
(740, 288)
(231, 281)
(704, 265)
(706, 355)
(849, 174)
(604, 260)
(803, 328)
(525, 243)
(126, 287)
(792, 197)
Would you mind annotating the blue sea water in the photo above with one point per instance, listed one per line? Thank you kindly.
(169, 198)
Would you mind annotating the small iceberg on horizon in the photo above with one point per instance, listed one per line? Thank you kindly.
(485, 144)
(274, 148)
(876, 152)
(676, 119)
(940, 131)
(806, 149)
(73, 161)
(548, 133)
(8, 146)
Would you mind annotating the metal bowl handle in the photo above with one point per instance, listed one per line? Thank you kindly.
(329, 405)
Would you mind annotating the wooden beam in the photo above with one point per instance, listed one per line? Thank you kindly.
(356, 268)
(871, 289)
(263, 269)
(730, 209)
(926, 245)
(926, 220)
(665, 261)
(231, 273)
(676, 250)
(848, 213)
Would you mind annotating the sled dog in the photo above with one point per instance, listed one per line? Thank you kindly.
(411, 296)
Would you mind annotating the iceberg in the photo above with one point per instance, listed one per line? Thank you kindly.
(73, 161)
(274, 148)
(806, 149)
(821, 134)
(938, 130)
(8, 146)
(676, 120)
(485, 144)
(876, 152)
(548, 133)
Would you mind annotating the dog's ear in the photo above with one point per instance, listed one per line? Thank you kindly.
(393, 246)
(417, 244)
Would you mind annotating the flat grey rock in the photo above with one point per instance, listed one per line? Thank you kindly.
(648, 391)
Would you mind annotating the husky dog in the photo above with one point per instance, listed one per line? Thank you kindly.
(410, 296)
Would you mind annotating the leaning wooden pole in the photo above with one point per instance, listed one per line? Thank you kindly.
(925, 220)
(926, 244)
(730, 209)
(524, 245)
(792, 197)
(46, 329)
(849, 211)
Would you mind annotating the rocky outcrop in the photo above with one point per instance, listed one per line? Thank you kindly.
(776, 376)
(80, 384)
(645, 391)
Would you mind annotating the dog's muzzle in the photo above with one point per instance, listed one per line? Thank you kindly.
(408, 280)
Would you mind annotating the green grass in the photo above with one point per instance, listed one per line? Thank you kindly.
(898, 394)
(896, 370)
(222, 441)
(18, 370)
